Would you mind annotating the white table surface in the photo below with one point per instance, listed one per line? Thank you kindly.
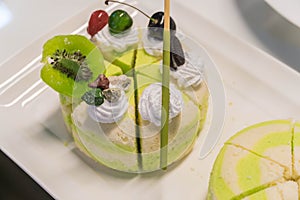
(252, 21)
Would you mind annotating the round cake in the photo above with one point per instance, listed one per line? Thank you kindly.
(112, 104)
(116, 144)
(259, 162)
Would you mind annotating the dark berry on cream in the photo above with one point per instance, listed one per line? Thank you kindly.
(156, 26)
(101, 82)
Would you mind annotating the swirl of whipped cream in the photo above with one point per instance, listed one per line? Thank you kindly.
(109, 112)
(150, 103)
(152, 46)
(117, 42)
(190, 73)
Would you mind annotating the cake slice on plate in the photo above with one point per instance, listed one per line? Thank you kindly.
(257, 163)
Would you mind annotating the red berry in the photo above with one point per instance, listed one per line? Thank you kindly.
(98, 20)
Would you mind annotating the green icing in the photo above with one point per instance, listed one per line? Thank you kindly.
(112, 70)
(124, 62)
(145, 59)
(124, 67)
(150, 71)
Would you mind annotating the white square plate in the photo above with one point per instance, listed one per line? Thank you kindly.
(258, 88)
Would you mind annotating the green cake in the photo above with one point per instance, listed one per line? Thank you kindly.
(259, 162)
(115, 144)
(112, 104)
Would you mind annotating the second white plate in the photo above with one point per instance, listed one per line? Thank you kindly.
(289, 9)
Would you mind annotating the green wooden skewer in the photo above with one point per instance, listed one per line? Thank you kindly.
(165, 89)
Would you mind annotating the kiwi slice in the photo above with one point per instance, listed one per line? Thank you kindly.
(71, 62)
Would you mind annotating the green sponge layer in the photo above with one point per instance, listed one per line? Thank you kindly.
(255, 161)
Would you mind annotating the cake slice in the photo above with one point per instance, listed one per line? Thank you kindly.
(254, 161)
(238, 172)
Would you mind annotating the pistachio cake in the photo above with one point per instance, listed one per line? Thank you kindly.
(112, 104)
(259, 162)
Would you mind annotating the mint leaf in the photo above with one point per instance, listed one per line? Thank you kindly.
(93, 97)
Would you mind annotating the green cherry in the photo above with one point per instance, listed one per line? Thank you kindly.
(119, 21)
